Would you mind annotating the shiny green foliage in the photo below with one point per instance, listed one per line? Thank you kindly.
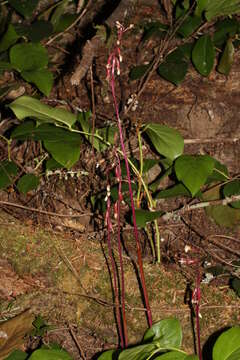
(163, 340)
(28, 107)
(174, 68)
(193, 171)
(215, 8)
(227, 346)
(203, 55)
(31, 61)
(63, 145)
(8, 171)
(27, 183)
(167, 142)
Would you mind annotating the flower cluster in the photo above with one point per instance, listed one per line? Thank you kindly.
(115, 58)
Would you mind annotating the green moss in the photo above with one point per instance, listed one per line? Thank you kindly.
(46, 258)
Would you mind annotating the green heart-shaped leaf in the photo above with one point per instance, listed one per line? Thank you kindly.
(108, 355)
(168, 142)
(227, 346)
(66, 153)
(63, 145)
(28, 57)
(27, 183)
(222, 215)
(165, 333)
(8, 171)
(42, 78)
(174, 68)
(215, 8)
(50, 354)
(193, 171)
(17, 355)
(203, 55)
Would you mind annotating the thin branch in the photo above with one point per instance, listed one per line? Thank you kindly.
(67, 29)
(200, 205)
(206, 141)
(77, 342)
(93, 105)
(42, 211)
(224, 247)
(227, 237)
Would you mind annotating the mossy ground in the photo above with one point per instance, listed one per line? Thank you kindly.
(70, 285)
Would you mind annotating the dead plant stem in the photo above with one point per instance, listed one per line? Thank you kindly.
(200, 205)
(42, 211)
(77, 343)
(69, 28)
(93, 105)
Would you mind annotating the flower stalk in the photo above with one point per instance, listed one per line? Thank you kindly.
(113, 264)
(113, 65)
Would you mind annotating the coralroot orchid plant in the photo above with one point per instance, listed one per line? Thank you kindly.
(113, 67)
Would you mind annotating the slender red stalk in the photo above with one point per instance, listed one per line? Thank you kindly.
(114, 270)
(120, 198)
(113, 64)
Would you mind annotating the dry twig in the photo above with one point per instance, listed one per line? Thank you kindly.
(42, 211)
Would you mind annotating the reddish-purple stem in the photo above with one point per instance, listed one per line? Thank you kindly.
(120, 198)
(114, 271)
(198, 298)
(139, 255)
